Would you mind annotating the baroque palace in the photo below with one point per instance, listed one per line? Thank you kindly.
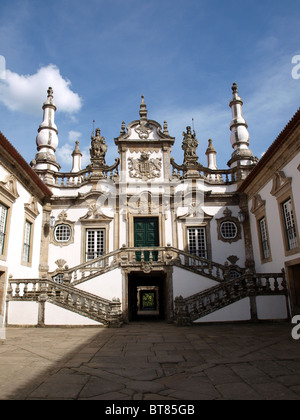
(149, 237)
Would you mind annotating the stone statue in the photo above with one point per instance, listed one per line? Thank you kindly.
(189, 145)
(98, 148)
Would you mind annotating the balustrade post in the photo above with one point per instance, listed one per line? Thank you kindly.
(276, 284)
(78, 303)
(66, 278)
(9, 291)
(86, 305)
(114, 316)
(182, 317)
(252, 293)
(43, 296)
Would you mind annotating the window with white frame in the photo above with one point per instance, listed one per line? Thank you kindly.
(264, 240)
(290, 225)
(62, 233)
(27, 241)
(197, 241)
(228, 230)
(3, 217)
(95, 243)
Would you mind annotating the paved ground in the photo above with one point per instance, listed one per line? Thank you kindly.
(151, 361)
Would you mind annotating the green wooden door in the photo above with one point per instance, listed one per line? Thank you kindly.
(146, 235)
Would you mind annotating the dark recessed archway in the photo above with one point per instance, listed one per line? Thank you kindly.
(146, 296)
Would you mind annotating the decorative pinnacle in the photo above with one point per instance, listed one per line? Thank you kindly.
(235, 88)
(50, 92)
(166, 128)
(143, 110)
(123, 128)
(49, 100)
(210, 148)
(76, 151)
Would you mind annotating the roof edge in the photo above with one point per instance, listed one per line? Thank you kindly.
(281, 138)
(24, 165)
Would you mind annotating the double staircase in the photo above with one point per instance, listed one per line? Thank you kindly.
(228, 292)
(233, 285)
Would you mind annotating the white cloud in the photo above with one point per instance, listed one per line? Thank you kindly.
(64, 156)
(26, 93)
(74, 135)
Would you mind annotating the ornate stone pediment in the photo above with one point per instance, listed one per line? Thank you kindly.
(195, 210)
(94, 213)
(9, 188)
(144, 168)
(143, 203)
(258, 204)
(62, 217)
(143, 130)
(32, 208)
(281, 183)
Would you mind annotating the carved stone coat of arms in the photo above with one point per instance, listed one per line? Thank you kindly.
(144, 168)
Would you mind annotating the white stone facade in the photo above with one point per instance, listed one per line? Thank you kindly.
(149, 237)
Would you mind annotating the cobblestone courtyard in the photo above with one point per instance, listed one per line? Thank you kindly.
(151, 361)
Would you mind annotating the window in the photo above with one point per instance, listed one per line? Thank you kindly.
(259, 210)
(95, 243)
(234, 274)
(197, 241)
(58, 278)
(27, 241)
(62, 233)
(228, 227)
(264, 238)
(290, 225)
(3, 217)
(282, 190)
(228, 230)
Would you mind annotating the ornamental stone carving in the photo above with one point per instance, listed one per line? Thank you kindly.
(98, 149)
(189, 146)
(143, 130)
(144, 168)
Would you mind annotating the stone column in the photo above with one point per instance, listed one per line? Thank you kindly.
(249, 256)
(45, 240)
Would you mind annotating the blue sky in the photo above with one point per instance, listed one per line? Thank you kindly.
(100, 56)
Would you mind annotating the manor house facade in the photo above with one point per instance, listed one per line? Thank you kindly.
(149, 237)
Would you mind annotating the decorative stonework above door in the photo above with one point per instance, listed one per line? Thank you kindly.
(144, 168)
